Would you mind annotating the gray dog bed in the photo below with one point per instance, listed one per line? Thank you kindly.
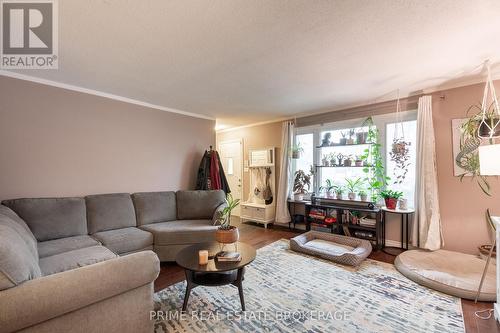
(450, 272)
(340, 249)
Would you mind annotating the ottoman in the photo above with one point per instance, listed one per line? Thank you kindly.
(337, 248)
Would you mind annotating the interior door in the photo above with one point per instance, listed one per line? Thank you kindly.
(231, 154)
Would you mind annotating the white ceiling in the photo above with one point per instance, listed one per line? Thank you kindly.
(246, 61)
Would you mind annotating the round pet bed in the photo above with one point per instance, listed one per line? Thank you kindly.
(452, 273)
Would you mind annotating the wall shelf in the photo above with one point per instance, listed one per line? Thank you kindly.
(342, 166)
(336, 145)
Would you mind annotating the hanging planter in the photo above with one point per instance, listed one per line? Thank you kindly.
(489, 126)
(296, 151)
(400, 152)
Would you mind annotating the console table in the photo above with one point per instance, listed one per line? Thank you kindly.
(344, 225)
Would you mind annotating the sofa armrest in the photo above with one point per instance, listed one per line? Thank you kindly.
(51, 296)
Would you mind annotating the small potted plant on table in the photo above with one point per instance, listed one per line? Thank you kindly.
(391, 198)
(339, 191)
(363, 195)
(227, 233)
(329, 186)
(353, 186)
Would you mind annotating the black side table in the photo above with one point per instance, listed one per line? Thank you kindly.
(405, 218)
(296, 218)
(215, 273)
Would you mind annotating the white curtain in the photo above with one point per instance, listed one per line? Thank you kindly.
(427, 223)
(285, 177)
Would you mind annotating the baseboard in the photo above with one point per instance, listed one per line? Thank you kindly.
(394, 243)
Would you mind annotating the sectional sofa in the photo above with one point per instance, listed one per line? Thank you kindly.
(87, 264)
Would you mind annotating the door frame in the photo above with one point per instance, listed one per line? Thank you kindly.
(242, 162)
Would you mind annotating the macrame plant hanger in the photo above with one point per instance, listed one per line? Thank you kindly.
(399, 122)
(489, 127)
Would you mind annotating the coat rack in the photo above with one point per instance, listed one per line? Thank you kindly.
(261, 204)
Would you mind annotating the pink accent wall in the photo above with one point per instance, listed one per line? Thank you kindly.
(463, 204)
(57, 142)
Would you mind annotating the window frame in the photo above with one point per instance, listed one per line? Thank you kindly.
(380, 121)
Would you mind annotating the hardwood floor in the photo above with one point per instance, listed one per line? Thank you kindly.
(259, 237)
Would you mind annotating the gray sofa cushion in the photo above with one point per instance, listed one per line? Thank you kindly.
(73, 259)
(125, 240)
(193, 205)
(109, 211)
(51, 218)
(6, 211)
(10, 219)
(153, 207)
(17, 263)
(56, 246)
(182, 232)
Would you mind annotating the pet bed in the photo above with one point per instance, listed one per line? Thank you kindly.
(452, 273)
(340, 249)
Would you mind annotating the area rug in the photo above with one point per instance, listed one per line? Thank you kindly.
(290, 292)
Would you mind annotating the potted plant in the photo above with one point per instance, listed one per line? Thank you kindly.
(343, 139)
(339, 191)
(333, 160)
(348, 161)
(350, 141)
(472, 130)
(353, 186)
(358, 161)
(391, 198)
(329, 186)
(301, 184)
(355, 216)
(325, 161)
(340, 158)
(361, 137)
(227, 233)
(296, 150)
(363, 195)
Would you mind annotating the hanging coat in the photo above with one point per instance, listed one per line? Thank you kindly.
(203, 178)
(211, 174)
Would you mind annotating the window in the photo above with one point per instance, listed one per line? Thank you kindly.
(306, 160)
(406, 185)
(314, 153)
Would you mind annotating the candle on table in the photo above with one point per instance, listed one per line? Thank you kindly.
(203, 257)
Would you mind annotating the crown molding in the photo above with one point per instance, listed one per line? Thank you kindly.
(254, 124)
(51, 83)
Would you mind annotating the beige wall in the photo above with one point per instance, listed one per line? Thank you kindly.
(56, 142)
(463, 204)
(254, 137)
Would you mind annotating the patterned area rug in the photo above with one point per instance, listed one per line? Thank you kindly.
(290, 292)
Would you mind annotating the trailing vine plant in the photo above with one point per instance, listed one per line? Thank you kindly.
(468, 156)
(400, 155)
(374, 171)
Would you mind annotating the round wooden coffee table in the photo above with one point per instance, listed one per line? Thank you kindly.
(215, 273)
